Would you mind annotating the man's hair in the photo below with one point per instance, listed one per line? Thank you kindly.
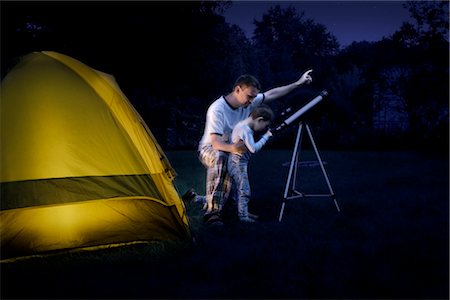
(247, 80)
(263, 111)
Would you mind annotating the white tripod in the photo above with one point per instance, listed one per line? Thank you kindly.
(291, 191)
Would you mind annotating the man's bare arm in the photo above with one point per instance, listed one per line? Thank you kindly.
(286, 89)
(218, 144)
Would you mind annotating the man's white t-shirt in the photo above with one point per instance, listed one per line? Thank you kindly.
(221, 118)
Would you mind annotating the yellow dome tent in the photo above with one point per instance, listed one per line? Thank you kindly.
(79, 166)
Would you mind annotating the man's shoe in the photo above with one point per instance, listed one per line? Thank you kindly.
(212, 219)
(189, 195)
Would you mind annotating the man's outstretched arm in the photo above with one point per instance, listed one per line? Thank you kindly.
(286, 89)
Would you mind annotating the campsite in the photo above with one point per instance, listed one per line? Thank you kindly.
(389, 241)
(102, 108)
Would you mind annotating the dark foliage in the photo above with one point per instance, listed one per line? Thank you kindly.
(174, 58)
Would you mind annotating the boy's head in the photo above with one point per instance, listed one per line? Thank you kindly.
(261, 116)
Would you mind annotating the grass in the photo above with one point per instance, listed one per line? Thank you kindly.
(390, 240)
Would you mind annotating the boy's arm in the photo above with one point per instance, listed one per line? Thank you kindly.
(249, 141)
(286, 89)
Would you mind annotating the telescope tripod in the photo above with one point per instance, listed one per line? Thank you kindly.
(291, 191)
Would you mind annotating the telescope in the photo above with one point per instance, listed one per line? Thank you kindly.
(302, 110)
(290, 191)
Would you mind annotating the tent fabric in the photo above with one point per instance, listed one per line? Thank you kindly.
(68, 136)
(47, 228)
(73, 189)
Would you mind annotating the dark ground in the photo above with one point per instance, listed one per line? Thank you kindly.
(390, 240)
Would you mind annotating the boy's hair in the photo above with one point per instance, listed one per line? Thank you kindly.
(263, 111)
(247, 80)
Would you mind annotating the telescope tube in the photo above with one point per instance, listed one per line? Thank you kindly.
(302, 110)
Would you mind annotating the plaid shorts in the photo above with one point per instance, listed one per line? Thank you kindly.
(218, 180)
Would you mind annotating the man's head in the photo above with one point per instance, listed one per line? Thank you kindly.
(261, 116)
(246, 88)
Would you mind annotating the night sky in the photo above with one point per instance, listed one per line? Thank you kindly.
(348, 20)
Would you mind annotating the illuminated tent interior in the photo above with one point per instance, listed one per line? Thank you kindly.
(79, 166)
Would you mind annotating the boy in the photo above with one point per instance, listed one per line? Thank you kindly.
(258, 121)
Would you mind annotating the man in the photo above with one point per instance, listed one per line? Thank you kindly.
(222, 115)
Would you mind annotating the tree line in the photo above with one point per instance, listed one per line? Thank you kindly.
(172, 59)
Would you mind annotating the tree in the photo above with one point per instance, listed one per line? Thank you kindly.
(425, 43)
(431, 23)
(287, 43)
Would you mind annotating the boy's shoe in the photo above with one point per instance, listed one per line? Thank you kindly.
(252, 216)
(247, 219)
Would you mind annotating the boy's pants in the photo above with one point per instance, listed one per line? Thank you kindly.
(237, 167)
(218, 180)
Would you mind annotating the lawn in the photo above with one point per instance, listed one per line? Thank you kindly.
(390, 240)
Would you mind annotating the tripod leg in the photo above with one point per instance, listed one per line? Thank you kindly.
(282, 210)
(297, 160)
(291, 169)
(333, 196)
